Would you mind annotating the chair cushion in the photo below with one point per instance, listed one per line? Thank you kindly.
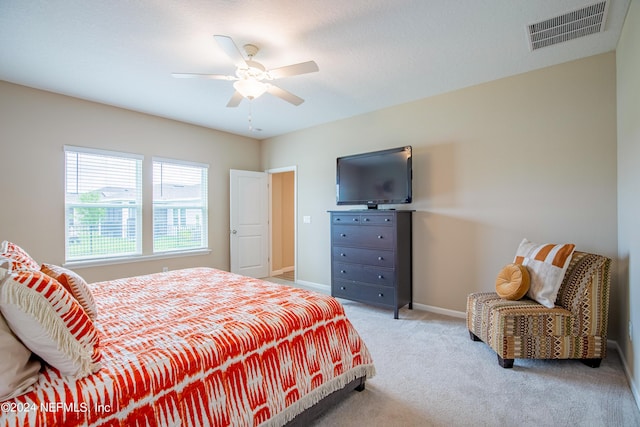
(512, 282)
(525, 329)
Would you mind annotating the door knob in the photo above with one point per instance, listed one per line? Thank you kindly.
(234, 231)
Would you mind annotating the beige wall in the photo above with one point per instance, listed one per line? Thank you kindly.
(35, 125)
(282, 221)
(628, 70)
(528, 156)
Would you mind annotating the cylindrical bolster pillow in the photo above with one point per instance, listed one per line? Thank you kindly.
(512, 282)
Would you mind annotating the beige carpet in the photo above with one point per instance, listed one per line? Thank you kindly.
(431, 374)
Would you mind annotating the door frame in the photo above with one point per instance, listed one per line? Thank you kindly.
(270, 172)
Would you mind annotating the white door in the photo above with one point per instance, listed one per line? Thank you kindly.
(249, 221)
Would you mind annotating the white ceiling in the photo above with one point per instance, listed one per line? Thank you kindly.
(372, 54)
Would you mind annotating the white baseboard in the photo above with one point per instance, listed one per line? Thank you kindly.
(627, 371)
(282, 271)
(325, 289)
(438, 310)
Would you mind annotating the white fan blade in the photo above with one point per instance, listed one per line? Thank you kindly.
(294, 70)
(235, 99)
(202, 76)
(283, 94)
(232, 51)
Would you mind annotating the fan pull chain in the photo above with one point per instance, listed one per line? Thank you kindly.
(250, 118)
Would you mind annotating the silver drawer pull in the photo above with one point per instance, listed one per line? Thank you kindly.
(355, 219)
(343, 235)
(344, 288)
(343, 254)
(343, 271)
(367, 219)
(379, 237)
(387, 220)
(338, 219)
(381, 295)
(380, 276)
(380, 258)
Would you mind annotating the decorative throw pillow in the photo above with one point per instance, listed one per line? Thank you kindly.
(11, 265)
(16, 253)
(75, 284)
(50, 322)
(512, 282)
(547, 264)
(18, 370)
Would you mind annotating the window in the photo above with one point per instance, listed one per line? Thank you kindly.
(179, 205)
(103, 204)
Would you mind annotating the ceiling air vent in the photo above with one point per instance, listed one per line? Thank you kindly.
(579, 23)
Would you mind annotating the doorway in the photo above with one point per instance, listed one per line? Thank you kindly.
(282, 222)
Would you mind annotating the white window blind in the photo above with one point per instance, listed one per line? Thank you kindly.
(103, 204)
(180, 209)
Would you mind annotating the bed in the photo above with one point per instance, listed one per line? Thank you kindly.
(203, 347)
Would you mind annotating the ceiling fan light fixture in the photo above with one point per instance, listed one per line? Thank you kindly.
(254, 71)
(250, 88)
(252, 79)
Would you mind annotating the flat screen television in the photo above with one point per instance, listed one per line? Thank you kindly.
(375, 178)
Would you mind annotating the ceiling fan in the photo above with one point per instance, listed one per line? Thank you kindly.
(252, 79)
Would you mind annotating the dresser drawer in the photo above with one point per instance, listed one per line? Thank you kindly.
(365, 293)
(383, 219)
(347, 219)
(376, 257)
(364, 274)
(363, 237)
(363, 219)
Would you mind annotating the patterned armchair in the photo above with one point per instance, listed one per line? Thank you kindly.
(576, 328)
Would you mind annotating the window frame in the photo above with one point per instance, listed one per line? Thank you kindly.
(137, 206)
(202, 206)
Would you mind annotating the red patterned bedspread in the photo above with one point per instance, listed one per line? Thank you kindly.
(201, 347)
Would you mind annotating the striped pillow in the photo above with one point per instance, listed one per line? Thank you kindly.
(16, 253)
(11, 265)
(75, 284)
(50, 322)
(547, 264)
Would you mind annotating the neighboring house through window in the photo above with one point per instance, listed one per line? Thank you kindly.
(179, 205)
(103, 204)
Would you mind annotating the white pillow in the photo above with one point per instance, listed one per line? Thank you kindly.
(18, 370)
(547, 264)
(50, 322)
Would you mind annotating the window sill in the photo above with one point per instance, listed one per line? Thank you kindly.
(136, 258)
